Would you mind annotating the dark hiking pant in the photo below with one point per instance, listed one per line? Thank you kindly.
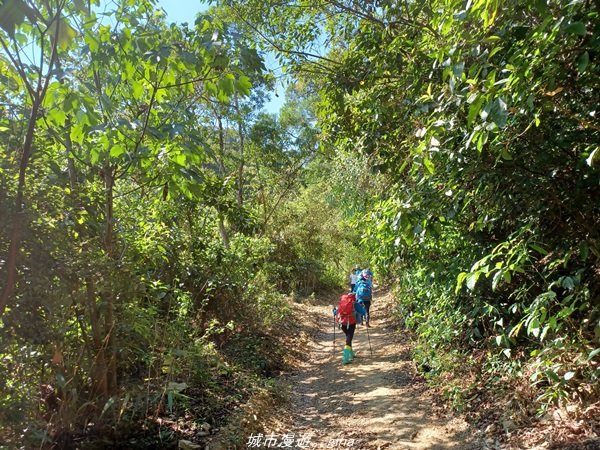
(349, 332)
(367, 305)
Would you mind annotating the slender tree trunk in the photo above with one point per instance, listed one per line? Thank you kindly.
(37, 96)
(99, 369)
(73, 179)
(109, 246)
(15, 235)
(222, 228)
(265, 211)
(240, 180)
(221, 145)
(223, 231)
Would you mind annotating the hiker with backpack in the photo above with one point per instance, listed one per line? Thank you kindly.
(354, 274)
(364, 292)
(348, 313)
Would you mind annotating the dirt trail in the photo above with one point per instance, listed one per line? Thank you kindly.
(375, 402)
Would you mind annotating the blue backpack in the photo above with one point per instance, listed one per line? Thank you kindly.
(364, 290)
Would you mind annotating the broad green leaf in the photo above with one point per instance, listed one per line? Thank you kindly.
(63, 32)
(459, 281)
(533, 328)
(498, 276)
(577, 28)
(544, 332)
(583, 62)
(77, 134)
(506, 154)
(542, 7)
(552, 376)
(485, 112)
(568, 283)
(472, 280)
(481, 140)
(500, 112)
(161, 94)
(13, 13)
(129, 71)
(226, 84)
(94, 155)
(57, 117)
(117, 150)
(179, 159)
(137, 88)
(92, 41)
(211, 88)
(538, 248)
(493, 38)
(584, 251)
(81, 6)
(494, 51)
(244, 84)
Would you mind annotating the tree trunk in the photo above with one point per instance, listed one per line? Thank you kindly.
(37, 97)
(222, 228)
(109, 246)
(15, 236)
(240, 180)
(223, 231)
(99, 370)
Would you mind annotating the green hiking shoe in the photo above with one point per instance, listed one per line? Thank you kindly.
(347, 355)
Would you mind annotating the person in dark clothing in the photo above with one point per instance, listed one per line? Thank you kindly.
(346, 314)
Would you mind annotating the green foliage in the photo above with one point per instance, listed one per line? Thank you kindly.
(314, 244)
(478, 122)
(152, 216)
(141, 245)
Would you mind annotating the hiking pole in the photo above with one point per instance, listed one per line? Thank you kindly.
(369, 338)
(334, 327)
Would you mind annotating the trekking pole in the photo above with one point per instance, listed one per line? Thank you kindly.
(334, 327)
(369, 338)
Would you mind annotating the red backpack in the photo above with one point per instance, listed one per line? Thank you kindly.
(345, 310)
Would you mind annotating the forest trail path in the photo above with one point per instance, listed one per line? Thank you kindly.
(375, 402)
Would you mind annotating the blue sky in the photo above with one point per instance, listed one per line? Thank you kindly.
(182, 10)
(185, 11)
